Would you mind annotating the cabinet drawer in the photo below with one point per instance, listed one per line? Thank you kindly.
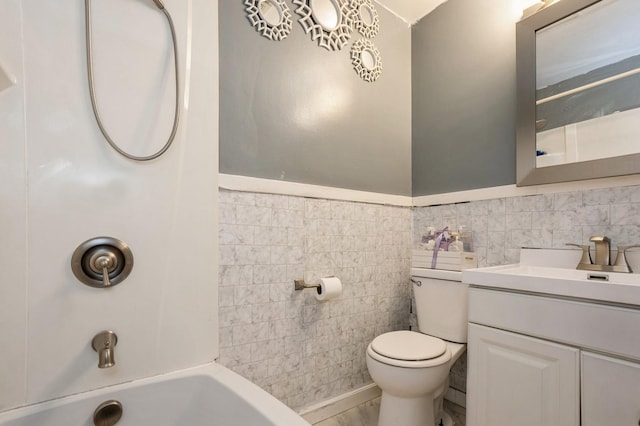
(602, 328)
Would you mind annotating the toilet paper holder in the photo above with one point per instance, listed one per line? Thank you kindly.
(301, 285)
(328, 288)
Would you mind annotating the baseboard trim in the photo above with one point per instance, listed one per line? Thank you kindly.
(339, 404)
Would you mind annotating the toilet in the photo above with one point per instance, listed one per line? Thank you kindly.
(412, 367)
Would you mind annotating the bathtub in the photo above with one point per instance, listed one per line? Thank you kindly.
(205, 395)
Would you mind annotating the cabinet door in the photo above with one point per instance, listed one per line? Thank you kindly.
(610, 391)
(519, 380)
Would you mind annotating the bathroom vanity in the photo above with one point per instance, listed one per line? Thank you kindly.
(549, 346)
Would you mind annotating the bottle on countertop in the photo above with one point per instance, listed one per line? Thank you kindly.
(466, 237)
(456, 244)
(429, 239)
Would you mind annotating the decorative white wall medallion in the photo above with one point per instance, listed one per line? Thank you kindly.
(366, 60)
(328, 21)
(365, 18)
(271, 18)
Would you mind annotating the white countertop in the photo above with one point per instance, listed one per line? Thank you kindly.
(552, 272)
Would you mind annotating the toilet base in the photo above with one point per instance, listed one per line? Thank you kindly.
(396, 411)
(420, 411)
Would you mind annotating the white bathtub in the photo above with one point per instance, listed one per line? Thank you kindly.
(206, 395)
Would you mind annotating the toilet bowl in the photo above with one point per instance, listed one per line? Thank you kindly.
(412, 367)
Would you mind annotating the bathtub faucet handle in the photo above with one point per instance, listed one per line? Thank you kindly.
(104, 343)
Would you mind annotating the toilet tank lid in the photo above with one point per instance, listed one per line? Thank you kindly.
(408, 346)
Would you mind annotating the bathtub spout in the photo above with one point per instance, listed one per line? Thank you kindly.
(104, 343)
(105, 358)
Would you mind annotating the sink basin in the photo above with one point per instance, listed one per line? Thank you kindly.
(548, 272)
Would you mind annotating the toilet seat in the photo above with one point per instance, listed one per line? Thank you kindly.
(409, 349)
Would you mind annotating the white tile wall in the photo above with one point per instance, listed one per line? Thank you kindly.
(301, 350)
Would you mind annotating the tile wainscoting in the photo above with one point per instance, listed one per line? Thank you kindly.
(304, 351)
(502, 226)
(300, 350)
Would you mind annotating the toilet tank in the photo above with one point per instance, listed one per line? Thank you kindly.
(441, 304)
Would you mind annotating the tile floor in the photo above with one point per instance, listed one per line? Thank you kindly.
(366, 414)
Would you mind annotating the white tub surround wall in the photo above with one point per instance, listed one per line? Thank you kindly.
(13, 217)
(300, 350)
(62, 184)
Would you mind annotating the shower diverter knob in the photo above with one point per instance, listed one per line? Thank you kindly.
(102, 262)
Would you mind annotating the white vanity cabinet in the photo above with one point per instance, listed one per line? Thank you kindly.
(539, 360)
(519, 380)
(610, 391)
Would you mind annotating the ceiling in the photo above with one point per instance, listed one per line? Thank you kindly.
(411, 11)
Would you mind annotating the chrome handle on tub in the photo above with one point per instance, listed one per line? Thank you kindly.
(106, 262)
(102, 262)
(416, 282)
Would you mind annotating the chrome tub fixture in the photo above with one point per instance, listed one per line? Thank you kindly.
(104, 343)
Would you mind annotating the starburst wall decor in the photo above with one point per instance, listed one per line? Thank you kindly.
(331, 38)
(329, 22)
(366, 18)
(366, 60)
(271, 18)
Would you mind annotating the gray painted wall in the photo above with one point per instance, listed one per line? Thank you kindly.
(294, 111)
(464, 97)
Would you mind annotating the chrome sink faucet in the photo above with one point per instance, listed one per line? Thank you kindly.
(603, 250)
(602, 260)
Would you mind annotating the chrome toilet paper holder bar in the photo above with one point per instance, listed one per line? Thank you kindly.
(301, 285)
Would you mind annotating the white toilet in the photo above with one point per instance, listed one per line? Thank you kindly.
(412, 368)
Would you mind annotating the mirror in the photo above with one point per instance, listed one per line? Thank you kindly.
(271, 18)
(326, 13)
(366, 60)
(270, 12)
(366, 15)
(578, 74)
(328, 21)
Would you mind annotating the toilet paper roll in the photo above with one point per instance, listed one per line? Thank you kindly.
(330, 288)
